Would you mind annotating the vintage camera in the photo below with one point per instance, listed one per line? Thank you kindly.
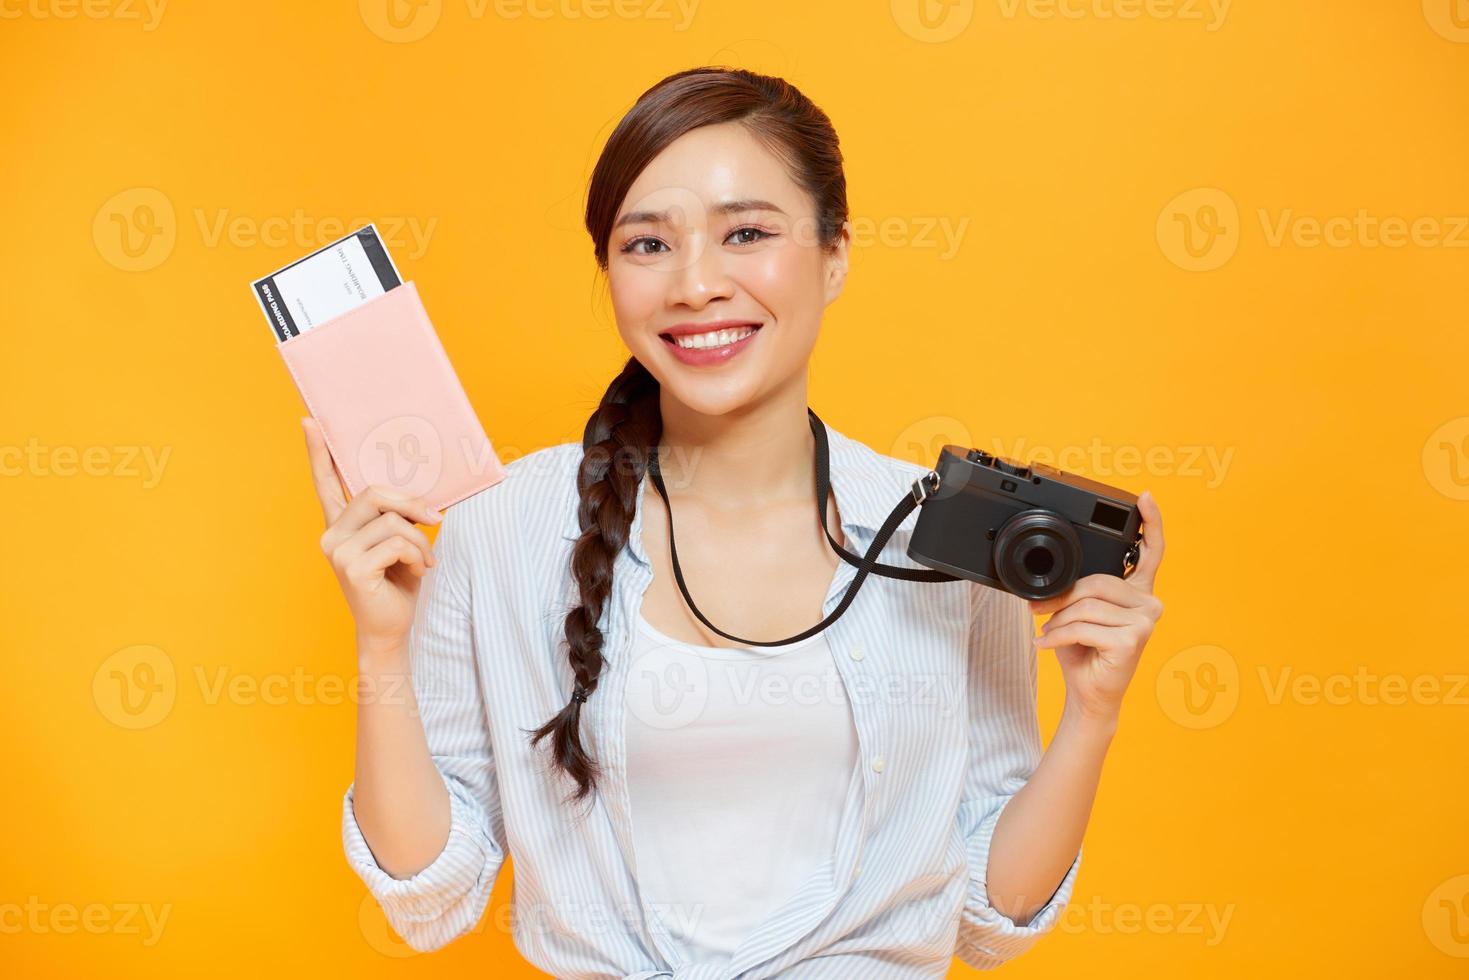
(1028, 529)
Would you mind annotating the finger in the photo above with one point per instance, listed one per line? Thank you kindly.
(387, 526)
(1113, 588)
(377, 499)
(1086, 634)
(368, 567)
(1151, 552)
(1092, 610)
(329, 488)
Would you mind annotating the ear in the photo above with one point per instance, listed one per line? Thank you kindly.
(836, 263)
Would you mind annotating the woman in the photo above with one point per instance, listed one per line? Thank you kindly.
(866, 801)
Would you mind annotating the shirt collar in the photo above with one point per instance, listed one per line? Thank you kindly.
(866, 484)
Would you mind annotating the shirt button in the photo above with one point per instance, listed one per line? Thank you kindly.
(877, 763)
(856, 871)
(857, 653)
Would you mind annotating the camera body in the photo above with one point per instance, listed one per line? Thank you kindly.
(1028, 529)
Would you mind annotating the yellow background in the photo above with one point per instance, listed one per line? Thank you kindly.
(1323, 547)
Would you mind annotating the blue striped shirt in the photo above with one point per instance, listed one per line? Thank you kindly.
(941, 678)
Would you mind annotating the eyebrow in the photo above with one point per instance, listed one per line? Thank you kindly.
(729, 207)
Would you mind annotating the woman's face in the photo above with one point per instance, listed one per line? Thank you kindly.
(715, 231)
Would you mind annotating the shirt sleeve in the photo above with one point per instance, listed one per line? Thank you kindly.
(446, 899)
(1005, 748)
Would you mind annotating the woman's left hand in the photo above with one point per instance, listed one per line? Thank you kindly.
(1102, 623)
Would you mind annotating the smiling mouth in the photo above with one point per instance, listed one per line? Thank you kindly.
(712, 339)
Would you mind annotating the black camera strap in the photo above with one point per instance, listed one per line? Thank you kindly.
(866, 564)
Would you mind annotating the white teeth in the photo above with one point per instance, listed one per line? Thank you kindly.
(715, 338)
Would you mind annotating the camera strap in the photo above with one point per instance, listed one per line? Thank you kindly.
(866, 564)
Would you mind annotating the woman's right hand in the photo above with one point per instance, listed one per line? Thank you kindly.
(378, 554)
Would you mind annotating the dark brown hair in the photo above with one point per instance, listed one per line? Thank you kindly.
(629, 422)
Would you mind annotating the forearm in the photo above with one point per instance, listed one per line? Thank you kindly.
(399, 799)
(1040, 831)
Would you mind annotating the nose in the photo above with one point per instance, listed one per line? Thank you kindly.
(701, 278)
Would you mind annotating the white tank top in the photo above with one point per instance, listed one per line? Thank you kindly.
(738, 763)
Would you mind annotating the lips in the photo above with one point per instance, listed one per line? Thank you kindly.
(700, 356)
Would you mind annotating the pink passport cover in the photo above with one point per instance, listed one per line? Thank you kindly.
(389, 403)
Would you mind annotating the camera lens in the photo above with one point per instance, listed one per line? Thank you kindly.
(1039, 562)
(1037, 554)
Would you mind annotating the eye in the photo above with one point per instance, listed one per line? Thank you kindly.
(750, 228)
(631, 246)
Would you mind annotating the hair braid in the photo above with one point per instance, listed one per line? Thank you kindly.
(615, 446)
